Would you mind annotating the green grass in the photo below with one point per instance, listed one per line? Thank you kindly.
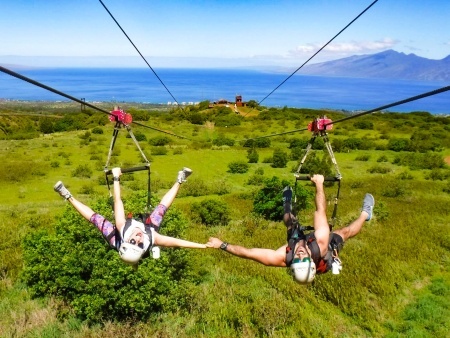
(395, 277)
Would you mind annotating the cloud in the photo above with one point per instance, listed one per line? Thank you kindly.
(335, 50)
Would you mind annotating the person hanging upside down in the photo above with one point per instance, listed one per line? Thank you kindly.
(131, 238)
(305, 255)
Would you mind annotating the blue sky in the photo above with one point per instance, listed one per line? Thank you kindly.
(198, 33)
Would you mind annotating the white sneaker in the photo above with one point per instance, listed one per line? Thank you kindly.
(368, 204)
(183, 175)
(62, 190)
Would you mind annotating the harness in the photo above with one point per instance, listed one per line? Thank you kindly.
(323, 264)
(144, 219)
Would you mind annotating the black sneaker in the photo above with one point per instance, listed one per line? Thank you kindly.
(287, 199)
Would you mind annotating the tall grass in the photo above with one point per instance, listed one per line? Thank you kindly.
(395, 277)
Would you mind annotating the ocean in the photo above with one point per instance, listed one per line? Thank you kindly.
(195, 85)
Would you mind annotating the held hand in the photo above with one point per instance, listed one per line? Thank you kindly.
(116, 172)
(317, 179)
(214, 242)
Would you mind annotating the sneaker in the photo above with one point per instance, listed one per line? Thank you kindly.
(62, 190)
(287, 199)
(368, 204)
(183, 175)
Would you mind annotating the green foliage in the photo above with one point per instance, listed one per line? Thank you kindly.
(279, 158)
(211, 212)
(257, 143)
(252, 155)
(228, 120)
(238, 167)
(363, 124)
(362, 158)
(159, 150)
(75, 265)
(419, 160)
(97, 130)
(315, 165)
(83, 170)
(398, 144)
(268, 201)
(222, 140)
(159, 141)
(46, 126)
(378, 169)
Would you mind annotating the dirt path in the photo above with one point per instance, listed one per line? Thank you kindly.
(447, 160)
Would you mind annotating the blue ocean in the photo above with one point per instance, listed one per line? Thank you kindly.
(194, 85)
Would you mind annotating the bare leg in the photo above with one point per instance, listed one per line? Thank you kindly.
(83, 209)
(169, 197)
(321, 227)
(354, 228)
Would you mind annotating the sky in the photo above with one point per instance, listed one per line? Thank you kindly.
(228, 33)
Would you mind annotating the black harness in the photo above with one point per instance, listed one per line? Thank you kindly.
(296, 234)
(148, 225)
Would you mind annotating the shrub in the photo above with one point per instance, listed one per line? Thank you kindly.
(160, 150)
(268, 201)
(75, 266)
(257, 143)
(382, 158)
(97, 130)
(238, 167)
(398, 144)
(378, 170)
(82, 170)
(178, 151)
(159, 141)
(362, 158)
(279, 158)
(221, 140)
(252, 155)
(211, 212)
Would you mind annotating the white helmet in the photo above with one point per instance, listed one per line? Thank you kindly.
(303, 271)
(130, 253)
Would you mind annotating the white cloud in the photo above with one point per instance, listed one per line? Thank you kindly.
(338, 50)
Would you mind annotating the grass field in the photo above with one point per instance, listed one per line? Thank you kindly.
(396, 277)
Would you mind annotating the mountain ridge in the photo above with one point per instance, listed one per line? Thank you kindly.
(387, 64)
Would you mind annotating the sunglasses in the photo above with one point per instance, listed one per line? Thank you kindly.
(133, 241)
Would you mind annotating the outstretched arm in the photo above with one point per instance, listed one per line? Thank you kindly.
(119, 211)
(173, 242)
(267, 257)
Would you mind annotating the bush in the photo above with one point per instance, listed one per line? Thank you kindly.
(223, 141)
(379, 170)
(279, 158)
(268, 201)
(238, 167)
(362, 158)
(252, 155)
(159, 141)
(97, 130)
(211, 212)
(75, 266)
(82, 170)
(160, 150)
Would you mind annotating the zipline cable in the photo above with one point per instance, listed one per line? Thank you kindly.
(343, 29)
(36, 83)
(142, 56)
(413, 98)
